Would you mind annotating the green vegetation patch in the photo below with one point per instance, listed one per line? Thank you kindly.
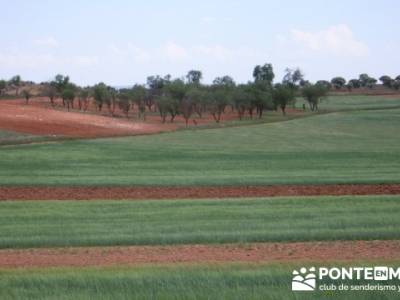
(96, 223)
(352, 102)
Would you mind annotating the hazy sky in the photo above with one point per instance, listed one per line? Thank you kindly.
(122, 42)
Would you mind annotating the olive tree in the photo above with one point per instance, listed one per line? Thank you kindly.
(83, 99)
(338, 82)
(100, 95)
(176, 91)
(293, 77)
(16, 82)
(264, 73)
(313, 95)
(386, 80)
(197, 97)
(396, 83)
(111, 100)
(124, 102)
(138, 95)
(27, 95)
(371, 82)
(68, 96)
(3, 85)
(155, 85)
(242, 100)
(354, 83)
(282, 96)
(50, 92)
(364, 79)
(194, 77)
(218, 97)
(164, 104)
(261, 98)
(224, 81)
(324, 83)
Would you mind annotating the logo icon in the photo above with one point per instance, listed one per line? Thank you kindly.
(381, 273)
(305, 280)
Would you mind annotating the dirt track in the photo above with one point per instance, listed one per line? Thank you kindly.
(135, 255)
(90, 193)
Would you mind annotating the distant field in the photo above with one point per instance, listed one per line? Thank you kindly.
(346, 147)
(95, 223)
(237, 281)
(351, 102)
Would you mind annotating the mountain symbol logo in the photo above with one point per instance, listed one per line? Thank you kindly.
(304, 280)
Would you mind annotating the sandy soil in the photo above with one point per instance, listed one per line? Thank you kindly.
(89, 193)
(257, 252)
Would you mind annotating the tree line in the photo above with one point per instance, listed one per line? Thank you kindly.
(187, 96)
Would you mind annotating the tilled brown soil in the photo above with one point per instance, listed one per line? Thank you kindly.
(168, 192)
(38, 119)
(257, 252)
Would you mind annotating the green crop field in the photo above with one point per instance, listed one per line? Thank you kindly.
(94, 223)
(346, 147)
(237, 281)
(352, 102)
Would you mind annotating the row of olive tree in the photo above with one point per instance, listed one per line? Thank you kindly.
(364, 80)
(188, 96)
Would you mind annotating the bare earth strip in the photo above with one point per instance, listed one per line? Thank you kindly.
(166, 192)
(258, 252)
(35, 119)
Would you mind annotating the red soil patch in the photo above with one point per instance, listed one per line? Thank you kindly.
(89, 193)
(257, 252)
(38, 118)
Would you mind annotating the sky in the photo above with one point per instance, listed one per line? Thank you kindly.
(122, 42)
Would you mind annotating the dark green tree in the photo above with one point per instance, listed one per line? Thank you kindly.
(313, 95)
(282, 96)
(194, 77)
(264, 73)
(27, 95)
(242, 100)
(100, 95)
(386, 81)
(371, 82)
(50, 92)
(60, 82)
(68, 96)
(324, 83)
(124, 102)
(293, 77)
(354, 83)
(3, 86)
(196, 101)
(138, 96)
(16, 82)
(338, 82)
(83, 98)
(364, 78)
(224, 81)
